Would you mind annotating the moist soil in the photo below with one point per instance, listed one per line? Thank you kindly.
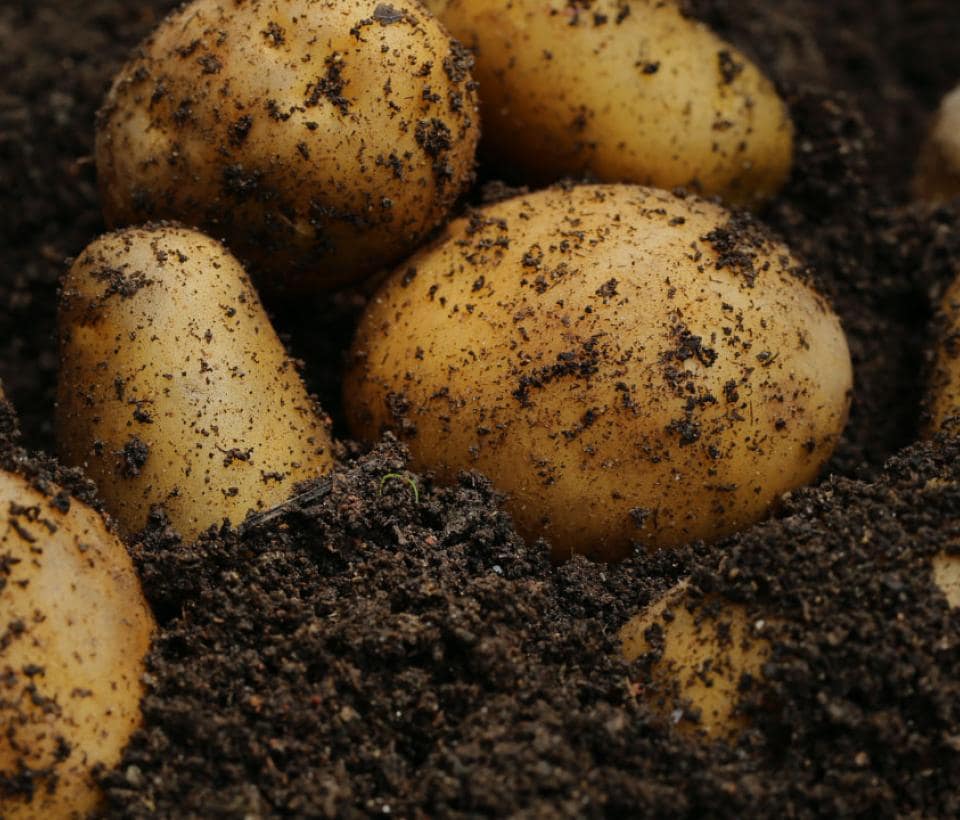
(394, 648)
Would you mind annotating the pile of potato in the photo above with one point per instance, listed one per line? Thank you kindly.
(630, 366)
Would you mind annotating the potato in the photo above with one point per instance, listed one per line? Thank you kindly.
(174, 389)
(322, 138)
(624, 92)
(938, 169)
(76, 631)
(626, 364)
(708, 652)
(946, 575)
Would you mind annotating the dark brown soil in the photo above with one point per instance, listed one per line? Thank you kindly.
(385, 651)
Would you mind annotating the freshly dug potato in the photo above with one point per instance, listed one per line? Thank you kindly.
(174, 388)
(76, 631)
(946, 575)
(626, 92)
(322, 138)
(708, 652)
(626, 364)
(938, 169)
(944, 394)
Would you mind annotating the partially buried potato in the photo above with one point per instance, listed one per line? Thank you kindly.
(625, 92)
(704, 654)
(76, 629)
(943, 401)
(322, 138)
(628, 365)
(938, 169)
(946, 575)
(174, 388)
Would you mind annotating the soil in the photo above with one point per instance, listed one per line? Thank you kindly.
(394, 648)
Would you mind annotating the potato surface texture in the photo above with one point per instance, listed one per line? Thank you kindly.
(627, 365)
(174, 388)
(624, 92)
(321, 138)
(77, 629)
(938, 169)
(704, 656)
(946, 575)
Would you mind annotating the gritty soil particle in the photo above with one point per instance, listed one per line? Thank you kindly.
(132, 458)
(393, 647)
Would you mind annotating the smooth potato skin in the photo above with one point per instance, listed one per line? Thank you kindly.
(938, 169)
(586, 351)
(702, 659)
(77, 630)
(648, 97)
(174, 388)
(319, 140)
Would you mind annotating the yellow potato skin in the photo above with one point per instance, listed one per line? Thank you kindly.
(323, 139)
(705, 659)
(938, 168)
(946, 575)
(174, 388)
(77, 630)
(584, 350)
(648, 97)
(944, 393)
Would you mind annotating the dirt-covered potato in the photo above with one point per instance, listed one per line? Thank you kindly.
(174, 388)
(626, 364)
(76, 631)
(938, 169)
(704, 652)
(626, 92)
(946, 575)
(322, 138)
(943, 401)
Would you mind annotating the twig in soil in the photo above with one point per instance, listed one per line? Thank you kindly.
(301, 504)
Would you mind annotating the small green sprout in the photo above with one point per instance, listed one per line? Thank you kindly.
(407, 479)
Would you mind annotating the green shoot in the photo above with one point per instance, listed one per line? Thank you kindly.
(407, 479)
